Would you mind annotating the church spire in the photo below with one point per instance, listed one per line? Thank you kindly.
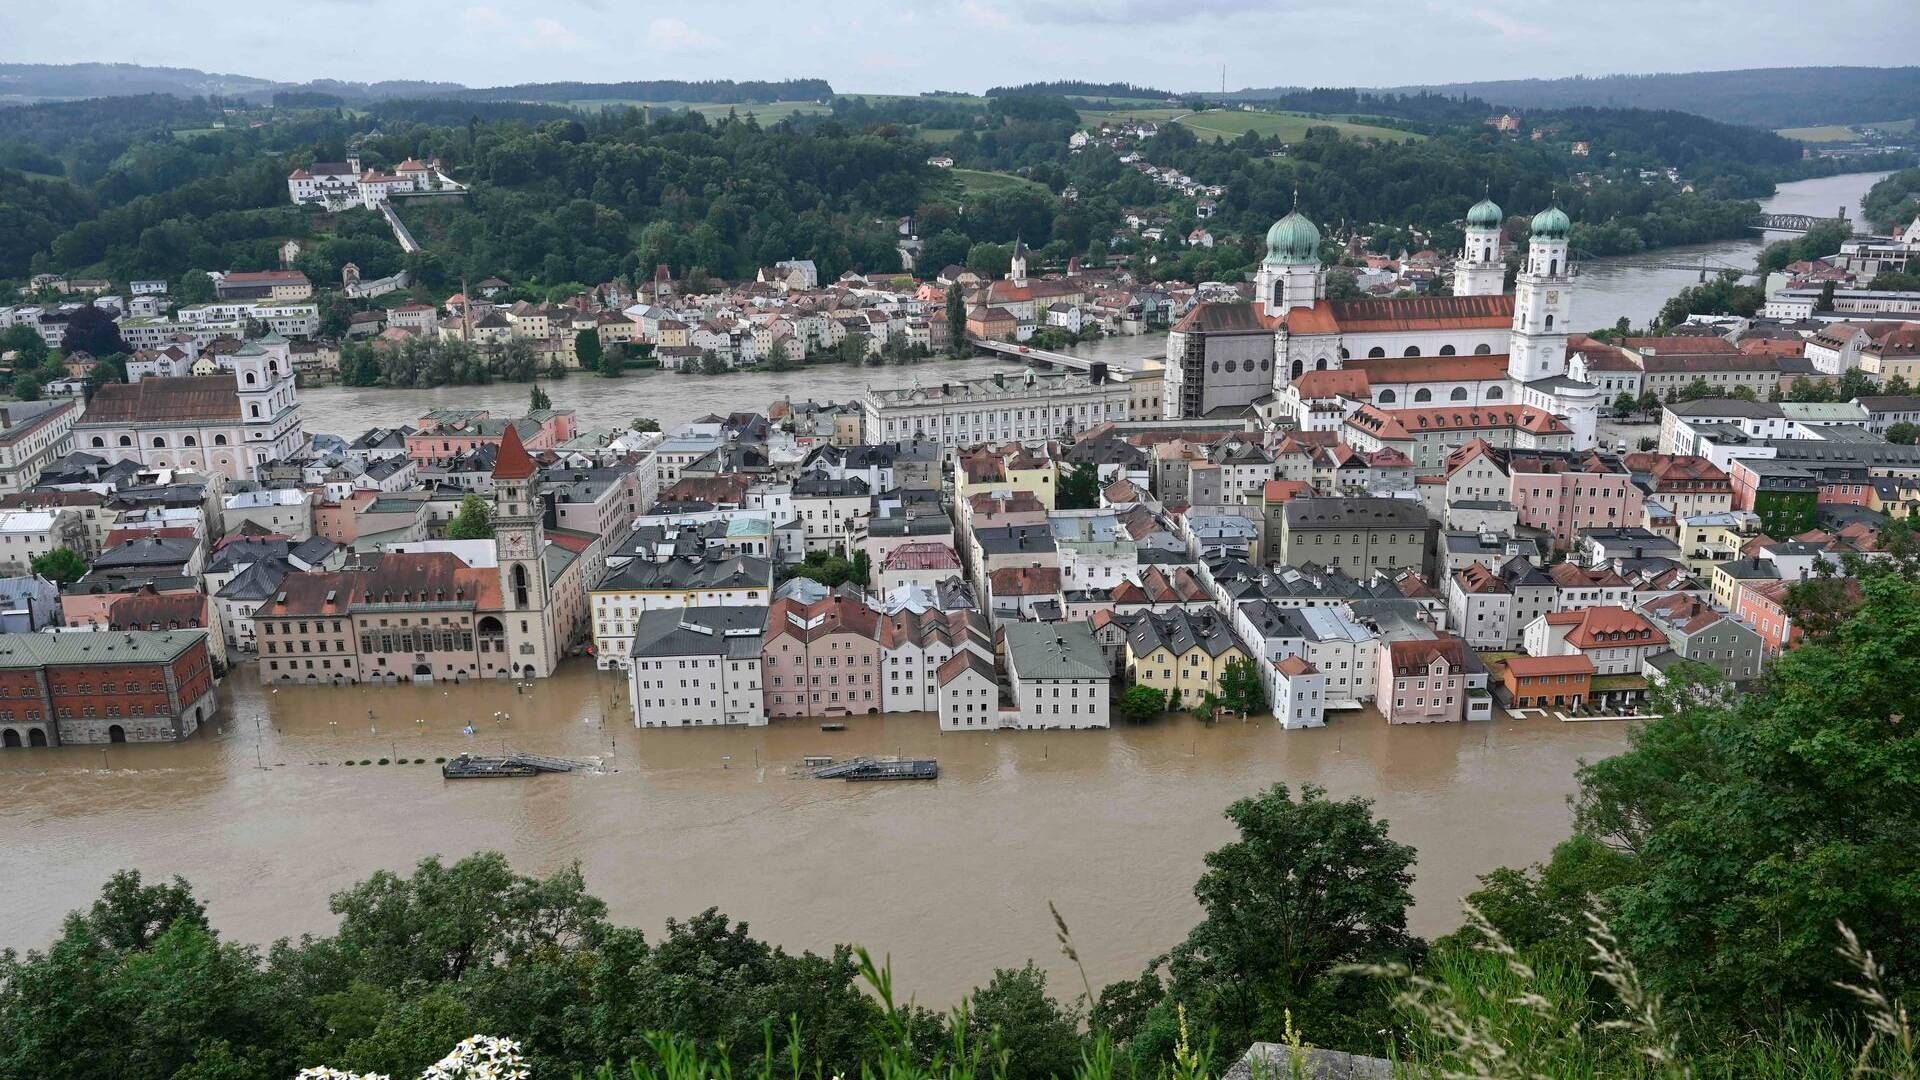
(513, 462)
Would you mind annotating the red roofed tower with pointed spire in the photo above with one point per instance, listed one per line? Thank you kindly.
(518, 542)
(513, 461)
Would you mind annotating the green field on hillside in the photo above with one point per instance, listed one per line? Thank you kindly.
(976, 181)
(937, 135)
(768, 113)
(1232, 123)
(1841, 132)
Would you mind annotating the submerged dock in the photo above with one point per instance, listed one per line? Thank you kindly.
(866, 768)
(477, 767)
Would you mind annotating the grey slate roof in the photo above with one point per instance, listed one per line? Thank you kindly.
(701, 631)
(1055, 651)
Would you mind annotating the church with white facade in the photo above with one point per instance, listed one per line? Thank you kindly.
(1501, 357)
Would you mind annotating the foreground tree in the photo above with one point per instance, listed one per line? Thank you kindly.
(588, 350)
(1079, 488)
(1311, 884)
(1732, 836)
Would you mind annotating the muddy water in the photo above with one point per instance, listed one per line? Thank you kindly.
(951, 877)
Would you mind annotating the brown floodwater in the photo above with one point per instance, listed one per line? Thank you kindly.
(952, 877)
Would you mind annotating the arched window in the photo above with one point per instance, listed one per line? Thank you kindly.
(1298, 367)
(1553, 268)
(189, 441)
(1494, 393)
(126, 440)
(1376, 352)
(253, 410)
(219, 440)
(1344, 354)
(1412, 350)
(520, 585)
(1320, 364)
(160, 442)
(1459, 394)
(1482, 349)
(1387, 397)
(1549, 322)
(99, 443)
(273, 369)
(1422, 396)
(1446, 350)
(250, 379)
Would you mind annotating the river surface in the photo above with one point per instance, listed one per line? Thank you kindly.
(1638, 285)
(952, 877)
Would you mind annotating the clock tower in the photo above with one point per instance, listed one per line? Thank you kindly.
(518, 540)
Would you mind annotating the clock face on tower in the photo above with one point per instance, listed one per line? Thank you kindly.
(515, 545)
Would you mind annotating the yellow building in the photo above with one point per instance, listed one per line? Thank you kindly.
(1182, 653)
(1707, 540)
(1894, 497)
(1010, 467)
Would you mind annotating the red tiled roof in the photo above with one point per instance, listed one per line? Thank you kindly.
(1024, 581)
(1412, 657)
(921, 557)
(513, 463)
(1293, 666)
(1606, 627)
(1412, 369)
(173, 400)
(1341, 382)
(1537, 666)
(1422, 313)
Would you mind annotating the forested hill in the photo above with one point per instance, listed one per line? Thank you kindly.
(1760, 97)
(26, 83)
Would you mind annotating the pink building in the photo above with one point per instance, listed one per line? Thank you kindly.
(445, 434)
(822, 659)
(1423, 681)
(1562, 492)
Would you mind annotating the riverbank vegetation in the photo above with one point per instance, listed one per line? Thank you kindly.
(1738, 899)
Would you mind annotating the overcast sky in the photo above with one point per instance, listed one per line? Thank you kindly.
(913, 45)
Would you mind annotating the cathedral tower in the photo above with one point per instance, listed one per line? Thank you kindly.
(518, 543)
(1290, 276)
(1482, 269)
(1017, 268)
(1543, 298)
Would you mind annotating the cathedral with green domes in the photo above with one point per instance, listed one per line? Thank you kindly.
(1482, 360)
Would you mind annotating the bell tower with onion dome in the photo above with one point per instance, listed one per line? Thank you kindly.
(1482, 269)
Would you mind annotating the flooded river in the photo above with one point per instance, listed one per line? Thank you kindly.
(1637, 285)
(950, 877)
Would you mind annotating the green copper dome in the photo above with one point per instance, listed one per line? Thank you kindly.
(1485, 214)
(1293, 239)
(1551, 224)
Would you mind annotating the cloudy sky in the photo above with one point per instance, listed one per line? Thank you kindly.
(912, 45)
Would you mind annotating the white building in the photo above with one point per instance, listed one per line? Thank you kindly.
(1027, 406)
(1059, 677)
(695, 667)
(969, 698)
(1299, 694)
